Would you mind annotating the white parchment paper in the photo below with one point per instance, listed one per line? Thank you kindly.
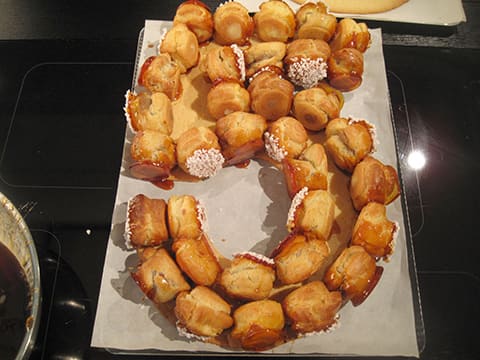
(247, 210)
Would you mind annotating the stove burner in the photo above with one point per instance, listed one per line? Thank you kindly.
(68, 107)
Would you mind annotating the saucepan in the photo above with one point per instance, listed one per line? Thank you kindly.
(16, 240)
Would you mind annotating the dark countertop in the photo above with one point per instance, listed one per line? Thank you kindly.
(434, 68)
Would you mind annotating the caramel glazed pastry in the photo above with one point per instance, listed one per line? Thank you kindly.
(256, 302)
(186, 272)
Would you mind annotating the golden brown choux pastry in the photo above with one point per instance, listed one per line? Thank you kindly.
(233, 24)
(186, 217)
(153, 155)
(161, 74)
(373, 181)
(312, 307)
(147, 111)
(241, 136)
(373, 231)
(250, 276)
(196, 259)
(146, 223)
(203, 312)
(225, 63)
(226, 97)
(314, 108)
(297, 258)
(197, 16)
(271, 95)
(313, 22)
(285, 137)
(306, 61)
(275, 21)
(182, 45)
(144, 253)
(159, 277)
(345, 69)
(354, 273)
(349, 141)
(312, 213)
(350, 34)
(264, 54)
(258, 324)
(199, 153)
(310, 170)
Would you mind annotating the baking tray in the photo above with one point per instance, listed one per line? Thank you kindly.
(118, 290)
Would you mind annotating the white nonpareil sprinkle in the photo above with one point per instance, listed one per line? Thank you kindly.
(225, 2)
(205, 163)
(185, 333)
(395, 231)
(306, 72)
(296, 201)
(163, 33)
(128, 231)
(240, 60)
(273, 148)
(202, 217)
(371, 129)
(125, 106)
(260, 257)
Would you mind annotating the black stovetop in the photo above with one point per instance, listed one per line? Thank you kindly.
(61, 137)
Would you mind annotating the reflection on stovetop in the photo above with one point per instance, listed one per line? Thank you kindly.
(441, 107)
(68, 108)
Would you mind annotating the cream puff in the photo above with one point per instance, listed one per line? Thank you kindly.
(240, 135)
(345, 69)
(271, 95)
(225, 63)
(146, 223)
(159, 277)
(373, 231)
(196, 259)
(258, 324)
(186, 217)
(153, 155)
(197, 16)
(250, 276)
(147, 111)
(275, 21)
(314, 22)
(297, 258)
(312, 308)
(314, 108)
(182, 45)
(312, 213)
(350, 34)
(199, 153)
(349, 141)
(354, 273)
(232, 23)
(306, 61)
(226, 97)
(373, 181)
(285, 137)
(202, 312)
(263, 54)
(161, 74)
(310, 170)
